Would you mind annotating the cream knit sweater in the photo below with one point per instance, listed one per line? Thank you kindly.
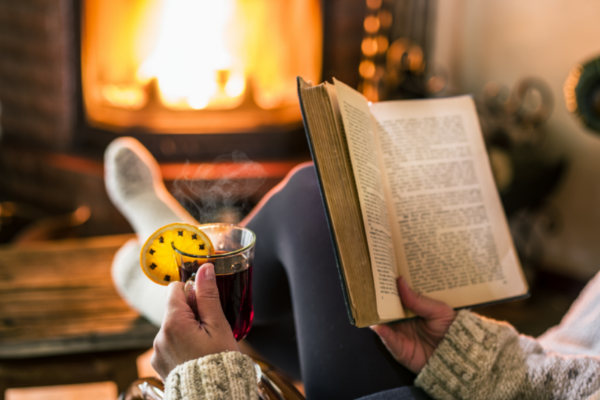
(223, 376)
(477, 359)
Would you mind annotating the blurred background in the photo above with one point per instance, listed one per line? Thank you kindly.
(210, 90)
(505, 41)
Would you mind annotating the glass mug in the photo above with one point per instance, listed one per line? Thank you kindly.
(233, 259)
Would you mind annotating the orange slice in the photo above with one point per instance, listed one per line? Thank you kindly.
(157, 257)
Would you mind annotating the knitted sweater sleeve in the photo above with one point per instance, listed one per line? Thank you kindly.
(483, 359)
(227, 375)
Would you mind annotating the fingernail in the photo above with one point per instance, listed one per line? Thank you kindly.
(209, 272)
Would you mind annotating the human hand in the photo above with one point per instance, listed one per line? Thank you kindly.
(181, 338)
(413, 342)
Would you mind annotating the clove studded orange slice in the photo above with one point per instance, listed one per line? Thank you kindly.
(157, 257)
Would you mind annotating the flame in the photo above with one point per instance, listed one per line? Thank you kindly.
(149, 63)
(193, 60)
(130, 97)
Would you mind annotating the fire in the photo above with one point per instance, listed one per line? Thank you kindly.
(192, 61)
(180, 66)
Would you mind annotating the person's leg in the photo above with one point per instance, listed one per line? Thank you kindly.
(337, 359)
(135, 186)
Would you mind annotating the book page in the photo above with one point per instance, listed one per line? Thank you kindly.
(450, 234)
(358, 128)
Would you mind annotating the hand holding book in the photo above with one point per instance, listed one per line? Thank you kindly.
(408, 191)
(413, 342)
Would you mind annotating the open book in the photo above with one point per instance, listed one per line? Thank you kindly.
(408, 190)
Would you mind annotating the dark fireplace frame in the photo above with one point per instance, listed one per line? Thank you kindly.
(44, 109)
(266, 144)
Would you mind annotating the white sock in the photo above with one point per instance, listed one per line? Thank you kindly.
(145, 296)
(135, 186)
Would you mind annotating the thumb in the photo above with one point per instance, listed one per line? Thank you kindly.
(421, 305)
(207, 295)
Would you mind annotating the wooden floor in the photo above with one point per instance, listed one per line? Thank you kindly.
(87, 391)
(61, 319)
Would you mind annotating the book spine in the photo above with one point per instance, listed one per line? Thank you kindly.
(327, 213)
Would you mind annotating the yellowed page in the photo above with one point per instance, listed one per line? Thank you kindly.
(366, 166)
(450, 233)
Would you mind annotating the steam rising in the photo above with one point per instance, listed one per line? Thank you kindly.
(210, 195)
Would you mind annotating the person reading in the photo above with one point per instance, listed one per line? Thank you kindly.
(446, 354)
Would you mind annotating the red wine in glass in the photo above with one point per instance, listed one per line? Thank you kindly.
(235, 294)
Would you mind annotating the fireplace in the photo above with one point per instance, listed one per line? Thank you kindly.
(52, 142)
(75, 74)
(195, 79)
(197, 66)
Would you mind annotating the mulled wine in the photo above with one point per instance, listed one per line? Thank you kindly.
(232, 257)
(235, 294)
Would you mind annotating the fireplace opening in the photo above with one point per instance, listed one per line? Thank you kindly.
(69, 78)
(197, 66)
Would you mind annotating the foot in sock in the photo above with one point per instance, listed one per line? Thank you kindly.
(135, 186)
